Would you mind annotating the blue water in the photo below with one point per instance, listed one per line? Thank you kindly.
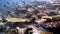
(6, 5)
